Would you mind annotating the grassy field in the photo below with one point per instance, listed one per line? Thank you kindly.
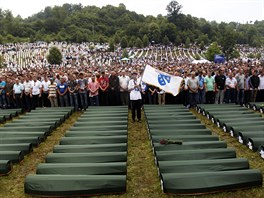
(142, 176)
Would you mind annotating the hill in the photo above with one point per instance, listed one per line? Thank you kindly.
(77, 23)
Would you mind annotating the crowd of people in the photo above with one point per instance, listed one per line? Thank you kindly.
(80, 84)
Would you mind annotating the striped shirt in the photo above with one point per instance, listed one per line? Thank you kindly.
(53, 90)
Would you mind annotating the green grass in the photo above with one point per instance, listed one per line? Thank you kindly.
(142, 176)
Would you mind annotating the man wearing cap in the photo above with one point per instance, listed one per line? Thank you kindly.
(135, 97)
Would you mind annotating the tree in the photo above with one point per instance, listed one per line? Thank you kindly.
(54, 57)
(139, 43)
(173, 8)
(123, 42)
(228, 41)
(2, 60)
(212, 50)
(166, 40)
(111, 45)
(145, 41)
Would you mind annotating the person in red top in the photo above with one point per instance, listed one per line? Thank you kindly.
(94, 92)
(103, 91)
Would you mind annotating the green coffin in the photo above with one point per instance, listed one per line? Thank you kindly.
(103, 119)
(11, 134)
(104, 116)
(169, 121)
(176, 126)
(27, 129)
(5, 167)
(99, 128)
(243, 136)
(180, 132)
(93, 140)
(203, 165)
(99, 122)
(117, 168)
(190, 145)
(90, 148)
(13, 156)
(16, 140)
(198, 154)
(74, 185)
(255, 142)
(186, 138)
(25, 148)
(96, 157)
(206, 182)
(33, 124)
(166, 117)
(95, 133)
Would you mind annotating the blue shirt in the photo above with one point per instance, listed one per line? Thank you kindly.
(201, 81)
(62, 87)
(2, 86)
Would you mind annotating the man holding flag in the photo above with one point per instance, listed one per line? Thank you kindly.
(135, 96)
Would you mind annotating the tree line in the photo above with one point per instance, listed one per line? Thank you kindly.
(117, 25)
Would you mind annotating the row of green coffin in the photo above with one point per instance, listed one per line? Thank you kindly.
(20, 136)
(90, 159)
(246, 126)
(196, 166)
(8, 114)
(256, 106)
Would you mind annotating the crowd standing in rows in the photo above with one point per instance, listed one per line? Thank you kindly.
(106, 80)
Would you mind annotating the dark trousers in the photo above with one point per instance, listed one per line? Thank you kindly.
(136, 107)
(210, 97)
(230, 95)
(114, 97)
(152, 98)
(27, 102)
(193, 99)
(103, 98)
(35, 101)
(240, 96)
(45, 100)
(124, 97)
(260, 95)
(184, 97)
(247, 96)
(18, 100)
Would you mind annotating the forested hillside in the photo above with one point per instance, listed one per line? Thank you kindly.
(77, 23)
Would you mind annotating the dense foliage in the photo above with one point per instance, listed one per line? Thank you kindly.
(77, 23)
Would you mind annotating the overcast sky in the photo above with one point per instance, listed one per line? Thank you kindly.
(219, 10)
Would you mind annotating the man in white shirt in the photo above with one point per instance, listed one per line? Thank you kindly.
(123, 83)
(135, 97)
(231, 86)
(27, 93)
(45, 92)
(260, 96)
(36, 92)
(18, 93)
